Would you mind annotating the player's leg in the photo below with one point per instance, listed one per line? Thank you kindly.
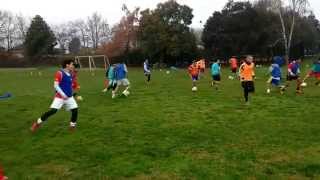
(217, 79)
(318, 79)
(269, 84)
(245, 91)
(299, 87)
(47, 114)
(251, 88)
(106, 85)
(55, 106)
(194, 80)
(116, 88)
(234, 72)
(74, 117)
(110, 85)
(289, 78)
(126, 84)
(212, 81)
(72, 105)
(149, 77)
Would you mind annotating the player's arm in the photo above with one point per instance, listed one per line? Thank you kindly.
(240, 71)
(253, 73)
(189, 70)
(289, 70)
(307, 75)
(57, 80)
(125, 68)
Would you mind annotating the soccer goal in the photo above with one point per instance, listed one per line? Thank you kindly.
(93, 62)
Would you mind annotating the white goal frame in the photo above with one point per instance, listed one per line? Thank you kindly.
(92, 64)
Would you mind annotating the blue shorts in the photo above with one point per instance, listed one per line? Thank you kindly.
(194, 78)
(275, 82)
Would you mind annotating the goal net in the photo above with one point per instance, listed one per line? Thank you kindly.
(93, 62)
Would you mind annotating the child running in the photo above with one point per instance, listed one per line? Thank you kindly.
(246, 72)
(193, 73)
(63, 96)
(314, 72)
(111, 82)
(215, 73)
(122, 80)
(294, 74)
(233, 66)
(275, 79)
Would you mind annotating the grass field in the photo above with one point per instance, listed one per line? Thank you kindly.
(161, 131)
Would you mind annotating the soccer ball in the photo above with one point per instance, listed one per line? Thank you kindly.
(304, 84)
(126, 92)
(168, 72)
(268, 91)
(231, 77)
(194, 89)
(79, 98)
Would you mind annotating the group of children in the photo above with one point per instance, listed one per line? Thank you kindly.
(116, 76)
(246, 75)
(66, 85)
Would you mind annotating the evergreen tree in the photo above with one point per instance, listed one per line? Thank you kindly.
(40, 40)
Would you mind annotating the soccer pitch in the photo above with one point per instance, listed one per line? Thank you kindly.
(162, 130)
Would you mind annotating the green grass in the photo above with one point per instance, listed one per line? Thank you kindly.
(161, 131)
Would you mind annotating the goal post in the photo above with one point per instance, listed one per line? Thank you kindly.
(81, 60)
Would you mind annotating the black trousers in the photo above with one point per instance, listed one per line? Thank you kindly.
(52, 111)
(248, 86)
(148, 77)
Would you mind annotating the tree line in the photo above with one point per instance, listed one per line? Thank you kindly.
(164, 34)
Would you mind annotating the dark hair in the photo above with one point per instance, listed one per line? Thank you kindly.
(65, 62)
(76, 65)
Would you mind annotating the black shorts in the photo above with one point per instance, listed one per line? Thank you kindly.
(234, 70)
(290, 78)
(248, 85)
(216, 77)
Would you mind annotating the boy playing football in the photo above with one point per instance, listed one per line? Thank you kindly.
(63, 96)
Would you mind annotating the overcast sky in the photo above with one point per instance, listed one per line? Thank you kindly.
(60, 11)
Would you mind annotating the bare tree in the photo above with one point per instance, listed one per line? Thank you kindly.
(62, 36)
(105, 32)
(98, 29)
(2, 25)
(130, 21)
(22, 25)
(81, 27)
(7, 29)
(94, 26)
(296, 7)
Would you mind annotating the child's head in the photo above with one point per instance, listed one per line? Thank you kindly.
(68, 64)
(249, 59)
(194, 62)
